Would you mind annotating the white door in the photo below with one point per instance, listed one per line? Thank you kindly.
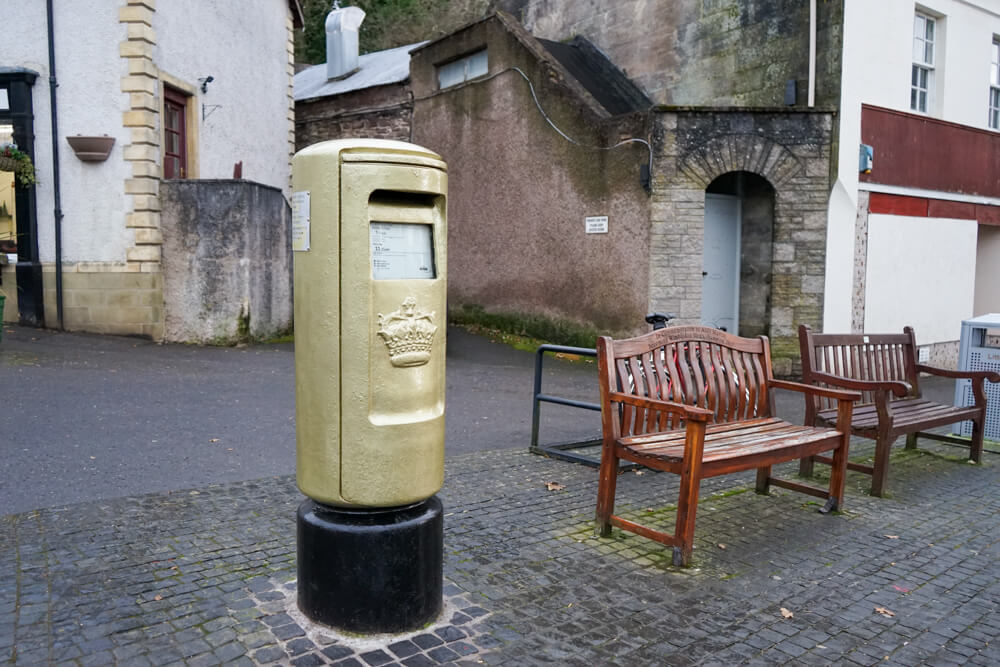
(720, 281)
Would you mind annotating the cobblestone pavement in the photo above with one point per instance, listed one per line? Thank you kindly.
(207, 576)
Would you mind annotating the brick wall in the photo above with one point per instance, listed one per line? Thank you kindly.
(382, 112)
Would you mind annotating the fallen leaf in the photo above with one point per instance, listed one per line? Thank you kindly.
(554, 486)
(213, 440)
(884, 611)
(786, 613)
(640, 472)
(722, 546)
(892, 537)
(157, 597)
(229, 449)
(901, 589)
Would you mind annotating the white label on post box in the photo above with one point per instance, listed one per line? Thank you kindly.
(300, 221)
(597, 224)
(401, 251)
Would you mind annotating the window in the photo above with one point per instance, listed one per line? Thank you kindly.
(463, 69)
(994, 117)
(922, 76)
(174, 133)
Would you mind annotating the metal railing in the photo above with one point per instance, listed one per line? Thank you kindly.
(565, 450)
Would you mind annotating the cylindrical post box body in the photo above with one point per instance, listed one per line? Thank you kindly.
(370, 239)
(369, 236)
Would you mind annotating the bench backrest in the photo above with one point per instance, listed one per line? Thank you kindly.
(877, 357)
(698, 366)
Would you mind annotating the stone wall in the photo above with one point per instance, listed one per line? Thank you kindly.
(381, 112)
(792, 152)
(703, 52)
(227, 261)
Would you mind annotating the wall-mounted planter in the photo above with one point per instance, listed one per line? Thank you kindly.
(91, 149)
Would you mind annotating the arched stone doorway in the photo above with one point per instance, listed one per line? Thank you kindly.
(703, 151)
(737, 254)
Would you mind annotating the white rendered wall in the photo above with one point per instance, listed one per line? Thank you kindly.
(243, 45)
(921, 273)
(877, 57)
(89, 101)
(987, 298)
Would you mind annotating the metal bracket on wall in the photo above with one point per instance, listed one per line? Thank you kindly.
(208, 109)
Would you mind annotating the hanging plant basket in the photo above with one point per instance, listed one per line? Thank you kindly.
(19, 162)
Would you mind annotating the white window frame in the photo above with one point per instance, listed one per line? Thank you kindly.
(463, 69)
(925, 39)
(993, 118)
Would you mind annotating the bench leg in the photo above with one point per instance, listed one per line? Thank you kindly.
(880, 470)
(687, 507)
(606, 484)
(911, 441)
(806, 467)
(763, 480)
(976, 444)
(838, 477)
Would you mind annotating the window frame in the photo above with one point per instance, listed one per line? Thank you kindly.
(922, 70)
(993, 103)
(467, 61)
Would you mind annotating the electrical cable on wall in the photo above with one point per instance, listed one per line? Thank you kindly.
(548, 120)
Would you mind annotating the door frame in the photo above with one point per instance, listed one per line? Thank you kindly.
(28, 271)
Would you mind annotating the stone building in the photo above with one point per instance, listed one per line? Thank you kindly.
(167, 92)
(726, 202)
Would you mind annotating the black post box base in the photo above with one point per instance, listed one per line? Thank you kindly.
(370, 570)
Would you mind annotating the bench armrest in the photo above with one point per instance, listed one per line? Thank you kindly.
(688, 412)
(839, 394)
(959, 375)
(898, 387)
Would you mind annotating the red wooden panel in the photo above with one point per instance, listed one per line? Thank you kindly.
(988, 215)
(939, 208)
(920, 152)
(879, 202)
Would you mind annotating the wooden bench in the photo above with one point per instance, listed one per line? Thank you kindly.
(884, 368)
(697, 402)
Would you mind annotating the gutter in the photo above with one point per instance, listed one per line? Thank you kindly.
(56, 196)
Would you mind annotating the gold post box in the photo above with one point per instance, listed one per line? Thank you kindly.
(369, 242)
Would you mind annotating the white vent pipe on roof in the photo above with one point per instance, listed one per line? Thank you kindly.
(342, 41)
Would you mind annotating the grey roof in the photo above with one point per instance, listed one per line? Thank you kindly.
(375, 69)
(595, 71)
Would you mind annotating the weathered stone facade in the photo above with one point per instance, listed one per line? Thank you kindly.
(791, 151)
(227, 255)
(519, 192)
(704, 52)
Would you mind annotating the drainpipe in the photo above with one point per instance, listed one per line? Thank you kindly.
(812, 53)
(55, 165)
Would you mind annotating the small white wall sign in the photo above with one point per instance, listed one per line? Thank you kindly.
(596, 224)
(300, 221)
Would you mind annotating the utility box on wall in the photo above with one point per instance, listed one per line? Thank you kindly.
(975, 355)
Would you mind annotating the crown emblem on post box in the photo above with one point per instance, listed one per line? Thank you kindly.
(408, 334)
